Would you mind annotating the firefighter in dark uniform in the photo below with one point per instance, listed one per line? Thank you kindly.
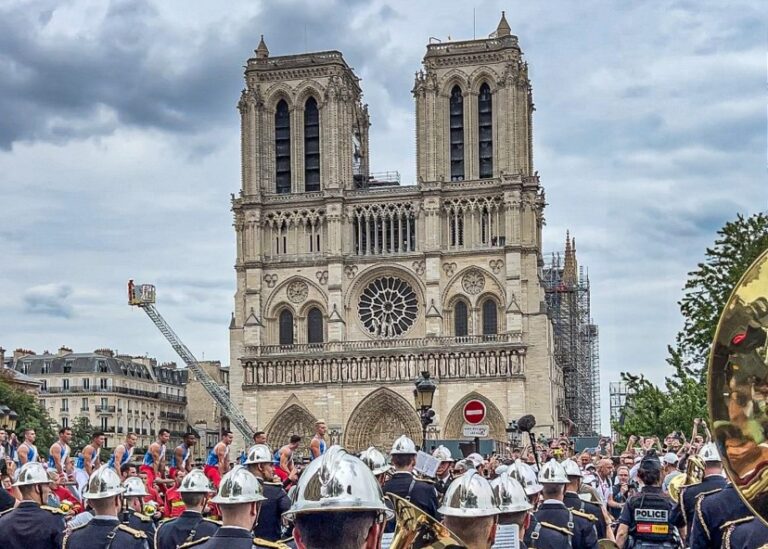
(557, 526)
(470, 510)
(349, 512)
(190, 525)
(645, 521)
(105, 531)
(573, 501)
(682, 515)
(261, 464)
(133, 496)
(240, 497)
(711, 512)
(745, 533)
(377, 463)
(514, 509)
(444, 472)
(403, 483)
(33, 524)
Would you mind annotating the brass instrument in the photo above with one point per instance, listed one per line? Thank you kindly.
(417, 530)
(737, 391)
(675, 485)
(694, 471)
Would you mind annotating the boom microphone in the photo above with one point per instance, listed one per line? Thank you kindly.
(526, 423)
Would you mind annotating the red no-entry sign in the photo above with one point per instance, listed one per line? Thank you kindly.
(474, 412)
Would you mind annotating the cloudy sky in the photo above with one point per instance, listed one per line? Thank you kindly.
(119, 149)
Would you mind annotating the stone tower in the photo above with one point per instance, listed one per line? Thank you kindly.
(350, 285)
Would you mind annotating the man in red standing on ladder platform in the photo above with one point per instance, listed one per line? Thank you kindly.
(217, 463)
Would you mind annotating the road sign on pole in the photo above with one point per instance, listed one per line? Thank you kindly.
(474, 412)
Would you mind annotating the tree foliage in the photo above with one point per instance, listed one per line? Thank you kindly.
(82, 431)
(31, 415)
(651, 410)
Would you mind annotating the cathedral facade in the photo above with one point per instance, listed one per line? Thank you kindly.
(349, 285)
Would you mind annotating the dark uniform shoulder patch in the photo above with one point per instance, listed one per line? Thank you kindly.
(272, 544)
(589, 516)
(54, 510)
(138, 534)
(194, 543)
(560, 529)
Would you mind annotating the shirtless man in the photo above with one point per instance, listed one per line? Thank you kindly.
(317, 446)
(283, 459)
(60, 450)
(27, 450)
(217, 463)
(154, 460)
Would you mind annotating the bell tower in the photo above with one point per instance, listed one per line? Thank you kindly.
(473, 110)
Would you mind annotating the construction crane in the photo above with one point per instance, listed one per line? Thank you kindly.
(143, 296)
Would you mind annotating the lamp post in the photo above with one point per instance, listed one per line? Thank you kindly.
(513, 435)
(423, 395)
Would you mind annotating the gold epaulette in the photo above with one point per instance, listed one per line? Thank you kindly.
(142, 517)
(272, 544)
(54, 510)
(589, 516)
(697, 509)
(214, 521)
(560, 529)
(427, 480)
(138, 534)
(734, 522)
(7, 511)
(728, 528)
(193, 543)
(274, 483)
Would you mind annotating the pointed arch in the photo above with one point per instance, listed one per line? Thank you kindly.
(485, 132)
(292, 419)
(456, 132)
(379, 419)
(282, 147)
(493, 418)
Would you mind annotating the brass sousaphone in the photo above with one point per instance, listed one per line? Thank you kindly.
(417, 530)
(738, 387)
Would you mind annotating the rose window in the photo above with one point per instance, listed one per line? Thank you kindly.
(388, 307)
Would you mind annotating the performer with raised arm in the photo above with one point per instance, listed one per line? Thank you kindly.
(217, 464)
(60, 450)
(154, 460)
(123, 453)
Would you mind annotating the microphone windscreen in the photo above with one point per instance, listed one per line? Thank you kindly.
(526, 423)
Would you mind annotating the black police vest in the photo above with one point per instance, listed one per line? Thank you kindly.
(651, 518)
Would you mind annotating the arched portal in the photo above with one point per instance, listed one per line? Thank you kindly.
(293, 419)
(493, 418)
(379, 419)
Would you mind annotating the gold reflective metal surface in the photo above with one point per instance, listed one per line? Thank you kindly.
(738, 387)
(417, 530)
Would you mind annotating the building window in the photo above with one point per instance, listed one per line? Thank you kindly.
(286, 327)
(460, 325)
(456, 227)
(311, 146)
(46, 367)
(25, 368)
(282, 148)
(86, 383)
(84, 405)
(44, 386)
(103, 422)
(489, 317)
(485, 131)
(64, 422)
(65, 384)
(65, 405)
(103, 383)
(457, 134)
(315, 326)
(102, 367)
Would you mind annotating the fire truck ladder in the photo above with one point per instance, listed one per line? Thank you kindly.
(143, 296)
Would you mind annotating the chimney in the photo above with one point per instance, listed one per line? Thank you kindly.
(2, 357)
(63, 351)
(18, 353)
(105, 352)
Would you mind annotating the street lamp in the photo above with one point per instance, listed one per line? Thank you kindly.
(423, 395)
(8, 418)
(513, 435)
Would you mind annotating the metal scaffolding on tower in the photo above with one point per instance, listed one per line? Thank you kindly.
(576, 338)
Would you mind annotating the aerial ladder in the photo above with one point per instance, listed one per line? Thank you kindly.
(143, 296)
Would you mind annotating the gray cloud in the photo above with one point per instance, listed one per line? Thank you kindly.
(49, 300)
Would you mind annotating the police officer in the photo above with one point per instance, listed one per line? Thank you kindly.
(573, 501)
(745, 533)
(190, 525)
(646, 517)
(105, 531)
(712, 512)
(260, 463)
(33, 524)
(682, 514)
(470, 510)
(557, 526)
(240, 497)
(132, 499)
(403, 483)
(444, 470)
(349, 513)
(514, 510)
(377, 463)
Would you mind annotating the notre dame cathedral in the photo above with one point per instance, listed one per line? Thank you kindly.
(349, 285)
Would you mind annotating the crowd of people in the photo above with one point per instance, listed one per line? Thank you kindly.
(543, 494)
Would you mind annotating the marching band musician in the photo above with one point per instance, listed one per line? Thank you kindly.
(745, 533)
(682, 514)
(514, 510)
(403, 482)
(190, 525)
(260, 463)
(377, 463)
(444, 470)
(133, 516)
(573, 501)
(712, 512)
(470, 510)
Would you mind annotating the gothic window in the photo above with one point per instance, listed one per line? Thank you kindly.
(314, 326)
(282, 148)
(460, 327)
(457, 227)
(311, 146)
(485, 131)
(385, 229)
(457, 134)
(388, 307)
(286, 327)
(490, 314)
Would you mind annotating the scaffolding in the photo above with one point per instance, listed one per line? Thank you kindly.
(618, 396)
(576, 338)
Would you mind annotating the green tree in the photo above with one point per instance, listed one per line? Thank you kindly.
(652, 410)
(82, 431)
(31, 414)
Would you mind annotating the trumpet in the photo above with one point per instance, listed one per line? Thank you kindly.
(417, 530)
